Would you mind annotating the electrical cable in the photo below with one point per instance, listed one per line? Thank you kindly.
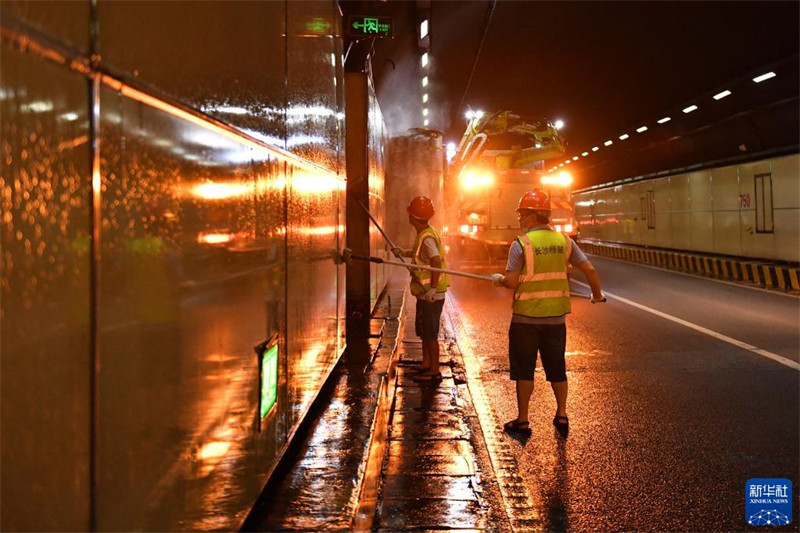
(477, 55)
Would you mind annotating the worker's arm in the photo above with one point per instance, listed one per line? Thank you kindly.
(513, 268)
(436, 262)
(399, 252)
(510, 280)
(593, 278)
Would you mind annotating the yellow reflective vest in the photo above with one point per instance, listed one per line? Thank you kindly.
(543, 289)
(421, 279)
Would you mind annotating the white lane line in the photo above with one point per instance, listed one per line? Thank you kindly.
(756, 350)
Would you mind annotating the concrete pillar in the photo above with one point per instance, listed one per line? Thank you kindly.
(357, 277)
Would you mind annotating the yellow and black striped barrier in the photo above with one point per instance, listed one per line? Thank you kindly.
(771, 276)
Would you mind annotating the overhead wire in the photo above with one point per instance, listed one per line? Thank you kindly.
(478, 53)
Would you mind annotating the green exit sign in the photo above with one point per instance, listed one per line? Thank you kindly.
(269, 379)
(369, 26)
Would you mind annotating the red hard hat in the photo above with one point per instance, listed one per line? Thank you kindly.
(421, 207)
(536, 200)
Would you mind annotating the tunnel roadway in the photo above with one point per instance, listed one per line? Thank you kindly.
(681, 389)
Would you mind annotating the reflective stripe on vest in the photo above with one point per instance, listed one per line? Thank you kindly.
(543, 289)
(421, 279)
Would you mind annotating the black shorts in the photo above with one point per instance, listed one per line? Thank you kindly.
(426, 323)
(549, 340)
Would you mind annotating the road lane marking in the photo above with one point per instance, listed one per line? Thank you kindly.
(756, 350)
(518, 504)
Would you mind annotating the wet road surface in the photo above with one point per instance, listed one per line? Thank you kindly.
(668, 422)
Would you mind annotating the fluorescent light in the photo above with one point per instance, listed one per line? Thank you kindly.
(663, 120)
(575, 158)
(723, 94)
(424, 98)
(584, 154)
(768, 75)
(595, 148)
(423, 29)
(641, 130)
(690, 109)
(425, 59)
(425, 81)
(623, 136)
(425, 112)
(568, 161)
(425, 122)
(608, 142)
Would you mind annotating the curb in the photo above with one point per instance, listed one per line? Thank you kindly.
(392, 332)
(767, 275)
(347, 421)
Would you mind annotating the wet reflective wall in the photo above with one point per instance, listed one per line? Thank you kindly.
(131, 391)
(45, 338)
(376, 156)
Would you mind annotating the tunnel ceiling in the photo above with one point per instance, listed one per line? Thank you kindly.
(606, 69)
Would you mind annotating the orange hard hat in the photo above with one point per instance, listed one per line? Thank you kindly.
(421, 207)
(536, 200)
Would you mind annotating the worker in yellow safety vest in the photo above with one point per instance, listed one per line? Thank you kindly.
(428, 287)
(537, 272)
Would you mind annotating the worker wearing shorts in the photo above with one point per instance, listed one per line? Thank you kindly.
(537, 271)
(429, 287)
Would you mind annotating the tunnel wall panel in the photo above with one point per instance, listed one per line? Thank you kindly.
(64, 22)
(193, 261)
(786, 198)
(376, 156)
(45, 255)
(715, 211)
(315, 105)
(725, 210)
(226, 60)
(700, 218)
(210, 242)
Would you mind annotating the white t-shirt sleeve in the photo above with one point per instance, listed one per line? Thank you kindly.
(428, 249)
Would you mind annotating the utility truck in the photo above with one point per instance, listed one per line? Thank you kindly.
(500, 156)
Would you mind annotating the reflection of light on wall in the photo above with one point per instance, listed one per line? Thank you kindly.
(300, 140)
(38, 106)
(220, 191)
(231, 110)
(309, 359)
(260, 152)
(311, 183)
(214, 238)
(323, 230)
(213, 450)
(274, 141)
(299, 113)
(207, 138)
(211, 454)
